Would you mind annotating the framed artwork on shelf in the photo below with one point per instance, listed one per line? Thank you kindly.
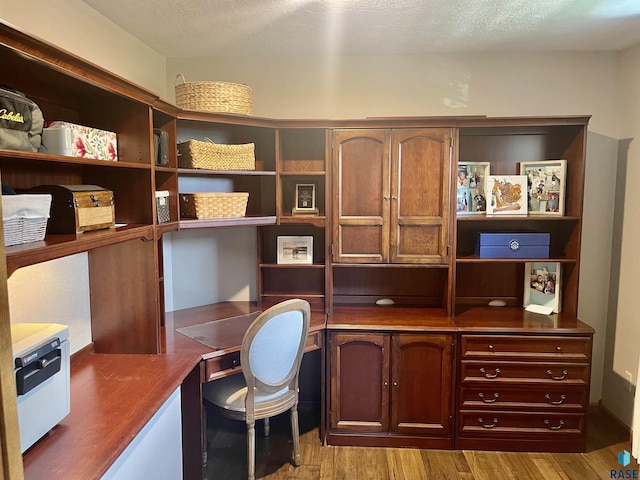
(295, 249)
(545, 186)
(542, 287)
(305, 201)
(506, 194)
(471, 183)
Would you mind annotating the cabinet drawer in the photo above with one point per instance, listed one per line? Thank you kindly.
(518, 372)
(500, 397)
(314, 341)
(218, 367)
(497, 423)
(526, 347)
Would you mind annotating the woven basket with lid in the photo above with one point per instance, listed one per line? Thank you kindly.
(220, 97)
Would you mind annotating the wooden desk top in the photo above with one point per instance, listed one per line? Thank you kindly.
(226, 323)
(113, 396)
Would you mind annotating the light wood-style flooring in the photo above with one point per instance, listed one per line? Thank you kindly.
(227, 456)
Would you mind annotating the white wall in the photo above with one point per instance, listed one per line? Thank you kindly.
(74, 26)
(623, 347)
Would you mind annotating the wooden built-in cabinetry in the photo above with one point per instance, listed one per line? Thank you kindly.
(391, 388)
(385, 228)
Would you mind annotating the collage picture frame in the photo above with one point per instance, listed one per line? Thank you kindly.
(471, 182)
(545, 186)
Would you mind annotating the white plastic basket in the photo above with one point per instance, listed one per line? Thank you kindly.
(24, 218)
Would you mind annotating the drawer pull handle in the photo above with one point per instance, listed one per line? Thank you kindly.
(489, 375)
(554, 427)
(488, 400)
(487, 425)
(564, 375)
(559, 402)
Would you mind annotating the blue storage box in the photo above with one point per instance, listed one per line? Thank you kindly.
(513, 245)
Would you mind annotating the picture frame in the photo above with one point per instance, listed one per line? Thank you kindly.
(305, 199)
(471, 184)
(543, 287)
(295, 250)
(506, 194)
(545, 186)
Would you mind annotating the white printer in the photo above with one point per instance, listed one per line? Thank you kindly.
(41, 363)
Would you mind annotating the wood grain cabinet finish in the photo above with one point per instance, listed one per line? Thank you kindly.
(523, 392)
(391, 389)
(391, 195)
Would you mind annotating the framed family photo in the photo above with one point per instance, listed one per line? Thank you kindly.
(545, 186)
(506, 195)
(542, 286)
(295, 249)
(471, 182)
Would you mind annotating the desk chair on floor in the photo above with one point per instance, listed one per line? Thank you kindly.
(270, 358)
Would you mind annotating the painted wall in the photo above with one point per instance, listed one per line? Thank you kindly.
(623, 348)
(74, 26)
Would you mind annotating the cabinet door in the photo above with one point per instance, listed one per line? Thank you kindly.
(359, 382)
(361, 196)
(421, 384)
(420, 169)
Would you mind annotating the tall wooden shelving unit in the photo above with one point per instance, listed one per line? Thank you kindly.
(440, 293)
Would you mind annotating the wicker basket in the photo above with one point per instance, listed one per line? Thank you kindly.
(221, 97)
(24, 218)
(216, 156)
(213, 204)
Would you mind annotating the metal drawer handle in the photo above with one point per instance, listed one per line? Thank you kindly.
(488, 400)
(554, 427)
(487, 425)
(564, 374)
(559, 402)
(489, 375)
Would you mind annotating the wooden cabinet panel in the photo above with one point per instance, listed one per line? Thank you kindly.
(391, 195)
(421, 382)
(499, 397)
(420, 165)
(533, 347)
(361, 196)
(359, 382)
(511, 424)
(392, 384)
(509, 372)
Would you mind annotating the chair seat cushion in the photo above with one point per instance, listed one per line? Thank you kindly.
(230, 393)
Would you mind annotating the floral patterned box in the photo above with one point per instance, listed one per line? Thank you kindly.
(71, 140)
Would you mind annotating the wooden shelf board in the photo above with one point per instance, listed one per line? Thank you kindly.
(227, 222)
(202, 171)
(48, 158)
(475, 259)
(56, 246)
(292, 265)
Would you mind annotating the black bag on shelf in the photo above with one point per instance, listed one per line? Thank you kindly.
(21, 122)
(161, 144)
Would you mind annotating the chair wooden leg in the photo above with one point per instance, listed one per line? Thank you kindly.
(295, 434)
(266, 427)
(251, 450)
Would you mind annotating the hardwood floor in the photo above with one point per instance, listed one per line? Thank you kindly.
(227, 456)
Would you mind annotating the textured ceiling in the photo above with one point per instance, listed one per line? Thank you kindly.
(202, 28)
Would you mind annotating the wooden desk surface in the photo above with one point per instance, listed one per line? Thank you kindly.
(222, 319)
(113, 396)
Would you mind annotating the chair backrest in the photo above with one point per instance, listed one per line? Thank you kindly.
(273, 346)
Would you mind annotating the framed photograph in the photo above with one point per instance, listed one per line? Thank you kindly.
(305, 201)
(506, 194)
(471, 183)
(295, 250)
(542, 287)
(545, 186)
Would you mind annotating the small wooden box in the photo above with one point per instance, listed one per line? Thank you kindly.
(79, 208)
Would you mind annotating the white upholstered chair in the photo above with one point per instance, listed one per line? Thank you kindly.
(270, 358)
